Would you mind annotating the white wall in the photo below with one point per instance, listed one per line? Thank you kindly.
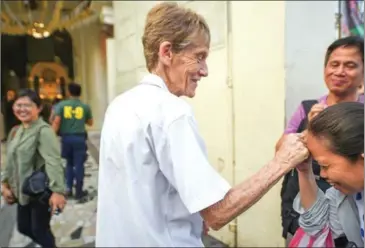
(309, 29)
(259, 93)
(111, 69)
(129, 19)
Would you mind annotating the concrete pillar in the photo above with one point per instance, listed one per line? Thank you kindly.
(111, 69)
(91, 71)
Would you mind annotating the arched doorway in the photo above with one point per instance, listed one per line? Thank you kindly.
(49, 79)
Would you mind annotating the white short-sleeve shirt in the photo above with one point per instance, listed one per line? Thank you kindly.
(154, 174)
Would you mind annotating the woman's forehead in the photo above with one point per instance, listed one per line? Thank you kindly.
(24, 99)
(318, 145)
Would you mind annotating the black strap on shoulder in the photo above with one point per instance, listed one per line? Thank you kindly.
(37, 143)
(307, 106)
(13, 132)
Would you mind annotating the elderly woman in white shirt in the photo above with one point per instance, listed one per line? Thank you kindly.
(156, 185)
(336, 140)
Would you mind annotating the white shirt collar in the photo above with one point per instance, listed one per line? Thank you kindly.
(155, 80)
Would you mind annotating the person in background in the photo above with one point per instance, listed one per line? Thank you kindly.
(70, 118)
(10, 119)
(343, 75)
(33, 146)
(335, 140)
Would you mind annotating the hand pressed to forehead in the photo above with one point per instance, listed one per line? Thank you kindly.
(293, 150)
(303, 136)
(315, 110)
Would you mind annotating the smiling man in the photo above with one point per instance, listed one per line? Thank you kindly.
(156, 185)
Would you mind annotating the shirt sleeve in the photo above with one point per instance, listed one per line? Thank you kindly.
(49, 149)
(89, 114)
(5, 172)
(295, 120)
(323, 212)
(183, 160)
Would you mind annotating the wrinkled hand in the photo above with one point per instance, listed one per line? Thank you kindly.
(57, 202)
(315, 110)
(292, 151)
(8, 195)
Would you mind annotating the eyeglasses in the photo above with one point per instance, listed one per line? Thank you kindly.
(27, 106)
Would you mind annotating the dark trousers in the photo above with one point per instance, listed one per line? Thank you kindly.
(74, 151)
(33, 220)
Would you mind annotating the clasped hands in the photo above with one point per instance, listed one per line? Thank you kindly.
(293, 152)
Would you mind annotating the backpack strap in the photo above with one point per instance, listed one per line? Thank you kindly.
(13, 132)
(307, 106)
(39, 134)
(37, 146)
(15, 129)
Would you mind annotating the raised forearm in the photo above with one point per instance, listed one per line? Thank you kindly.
(243, 196)
(280, 141)
(307, 188)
